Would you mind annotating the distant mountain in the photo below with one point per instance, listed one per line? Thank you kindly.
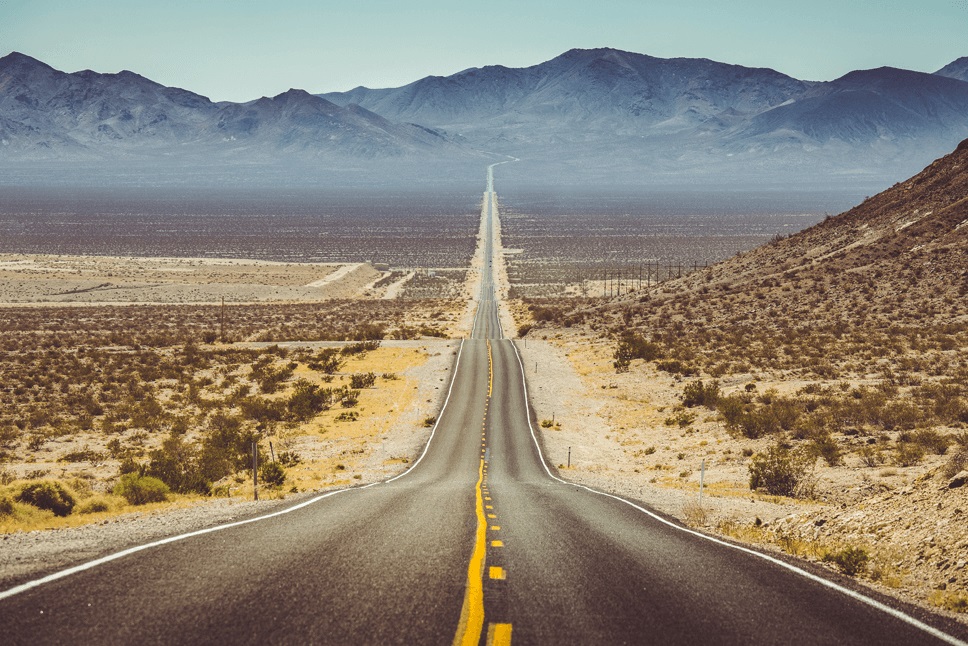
(582, 93)
(587, 116)
(48, 113)
(866, 106)
(956, 69)
(629, 114)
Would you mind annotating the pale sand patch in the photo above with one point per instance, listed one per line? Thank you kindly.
(614, 425)
(97, 280)
(336, 275)
(393, 289)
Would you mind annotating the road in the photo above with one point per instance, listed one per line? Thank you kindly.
(479, 542)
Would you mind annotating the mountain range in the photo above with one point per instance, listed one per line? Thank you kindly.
(601, 113)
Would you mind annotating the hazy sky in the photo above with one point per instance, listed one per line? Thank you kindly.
(242, 49)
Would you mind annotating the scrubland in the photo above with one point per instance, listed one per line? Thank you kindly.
(109, 409)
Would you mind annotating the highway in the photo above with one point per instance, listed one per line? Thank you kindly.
(479, 542)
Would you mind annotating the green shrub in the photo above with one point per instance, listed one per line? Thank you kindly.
(932, 441)
(140, 490)
(272, 474)
(632, 346)
(676, 367)
(49, 495)
(306, 401)
(697, 393)
(851, 560)
(908, 454)
(176, 463)
(360, 348)
(825, 446)
(362, 380)
(781, 472)
(94, 505)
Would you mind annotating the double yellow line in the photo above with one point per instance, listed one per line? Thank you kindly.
(472, 613)
(471, 622)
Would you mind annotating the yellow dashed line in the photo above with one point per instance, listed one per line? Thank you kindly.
(498, 635)
(497, 543)
(472, 612)
(495, 528)
(498, 573)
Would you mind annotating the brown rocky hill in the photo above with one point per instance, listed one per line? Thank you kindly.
(901, 255)
(887, 278)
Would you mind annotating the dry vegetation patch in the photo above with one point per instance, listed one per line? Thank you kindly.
(148, 395)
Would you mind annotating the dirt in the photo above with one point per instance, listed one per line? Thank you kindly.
(93, 280)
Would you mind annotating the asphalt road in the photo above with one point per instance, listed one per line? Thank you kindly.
(479, 542)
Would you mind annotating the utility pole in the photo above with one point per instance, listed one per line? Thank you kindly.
(222, 320)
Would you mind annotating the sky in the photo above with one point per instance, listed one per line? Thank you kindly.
(239, 50)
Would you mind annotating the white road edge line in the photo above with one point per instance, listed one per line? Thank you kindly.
(931, 630)
(60, 574)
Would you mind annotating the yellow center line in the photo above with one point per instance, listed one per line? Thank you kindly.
(472, 613)
(498, 635)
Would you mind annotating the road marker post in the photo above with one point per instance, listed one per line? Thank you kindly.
(255, 469)
(569, 457)
(702, 477)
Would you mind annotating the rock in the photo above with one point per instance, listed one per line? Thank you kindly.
(959, 480)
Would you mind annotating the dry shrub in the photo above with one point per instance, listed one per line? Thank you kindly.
(782, 472)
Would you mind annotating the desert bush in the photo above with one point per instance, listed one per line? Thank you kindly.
(932, 441)
(272, 474)
(850, 560)
(95, 505)
(370, 332)
(327, 361)
(781, 472)
(429, 421)
(676, 367)
(632, 346)
(289, 458)
(140, 490)
(48, 494)
(871, 456)
(6, 506)
(176, 464)
(698, 393)
(908, 454)
(523, 329)
(226, 448)
(362, 380)
(823, 445)
(306, 401)
(360, 348)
